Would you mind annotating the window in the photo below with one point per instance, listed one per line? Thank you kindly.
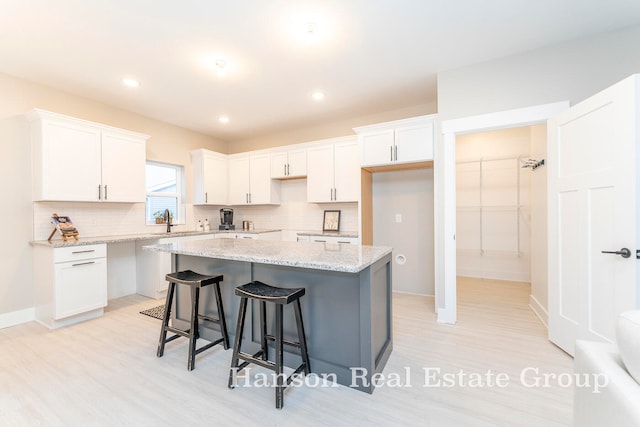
(164, 191)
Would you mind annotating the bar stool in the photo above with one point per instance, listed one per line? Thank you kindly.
(195, 281)
(280, 297)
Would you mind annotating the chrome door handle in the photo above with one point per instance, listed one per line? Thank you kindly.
(624, 252)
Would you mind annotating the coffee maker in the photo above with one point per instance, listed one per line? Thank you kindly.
(226, 219)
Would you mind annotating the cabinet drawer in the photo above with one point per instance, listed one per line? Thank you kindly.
(80, 287)
(334, 239)
(73, 253)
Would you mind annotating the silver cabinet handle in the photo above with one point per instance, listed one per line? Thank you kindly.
(83, 252)
(396, 154)
(99, 192)
(105, 192)
(82, 263)
(285, 169)
(206, 197)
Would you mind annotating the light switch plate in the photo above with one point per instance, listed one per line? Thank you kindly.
(398, 218)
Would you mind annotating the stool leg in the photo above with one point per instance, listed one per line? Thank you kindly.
(263, 330)
(165, 319)
(279, 359)
(223, 322)
(237, 341)
(193, 332)
(302, 338)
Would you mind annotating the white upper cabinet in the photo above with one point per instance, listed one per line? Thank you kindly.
(334, 173)
(289, 164)
(123, 167)
(77, 160)
(250, 181)
(401, 141)
(210, 177)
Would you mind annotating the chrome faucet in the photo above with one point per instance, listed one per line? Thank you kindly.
(167, 219)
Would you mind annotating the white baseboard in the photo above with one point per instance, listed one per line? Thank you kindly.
(17, 317)
(539, 311)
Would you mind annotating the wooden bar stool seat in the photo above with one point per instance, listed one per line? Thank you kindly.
(280, 297)
(195, 281)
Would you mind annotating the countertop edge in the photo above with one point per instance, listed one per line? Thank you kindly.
(309, 264)
(54, 243)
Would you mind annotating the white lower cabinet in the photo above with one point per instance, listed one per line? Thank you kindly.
(152, 266)
(328, 239)
(71, 284)
(271, 235)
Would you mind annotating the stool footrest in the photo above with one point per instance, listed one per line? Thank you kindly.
(208, 346)
(178, 333)
(254, 359)
(243, 365)
(284, 341)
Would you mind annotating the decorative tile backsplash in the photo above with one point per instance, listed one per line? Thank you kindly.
(104, 219)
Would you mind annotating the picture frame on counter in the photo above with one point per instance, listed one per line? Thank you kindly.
(64, 225)
(331, 221)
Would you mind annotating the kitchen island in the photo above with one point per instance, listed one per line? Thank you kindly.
(346, 309)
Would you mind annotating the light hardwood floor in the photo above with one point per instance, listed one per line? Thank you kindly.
(105, 373)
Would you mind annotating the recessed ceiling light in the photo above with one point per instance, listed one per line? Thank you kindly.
(223, 119)
(310, 28)
(318, 96)
(220, 65)
(130, 82)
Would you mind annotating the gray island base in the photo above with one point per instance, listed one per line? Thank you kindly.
(346, 309)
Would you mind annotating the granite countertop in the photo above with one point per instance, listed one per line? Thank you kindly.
(347, 234)
(319, 256)
(57, 242)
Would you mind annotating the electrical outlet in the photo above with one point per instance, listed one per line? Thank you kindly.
(398, 218)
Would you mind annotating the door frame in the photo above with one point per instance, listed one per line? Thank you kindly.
(445, 191)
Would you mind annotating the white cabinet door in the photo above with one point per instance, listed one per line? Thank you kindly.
(75, 159)
(400, 141)
(414, 143)
(279, 163)
(259, 180)
(297, 163)
(80, 286)
(210, 177)
(346, 173)
(334, 173)
(250, 181)
(289, 164)
(239, 183)
(67, 162)
(123, 168)
(377, 147)
(320, 174)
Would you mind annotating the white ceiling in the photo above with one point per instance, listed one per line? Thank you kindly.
(371, 56)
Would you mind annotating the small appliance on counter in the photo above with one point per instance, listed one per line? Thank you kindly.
(226, 219)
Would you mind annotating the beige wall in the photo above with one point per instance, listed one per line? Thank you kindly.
(329, 130)
(168, 143)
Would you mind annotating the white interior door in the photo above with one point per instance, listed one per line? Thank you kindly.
(592, 190)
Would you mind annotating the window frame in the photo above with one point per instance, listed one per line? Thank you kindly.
(179, 217)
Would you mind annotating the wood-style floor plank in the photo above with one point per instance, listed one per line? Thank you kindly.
(105, 372)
